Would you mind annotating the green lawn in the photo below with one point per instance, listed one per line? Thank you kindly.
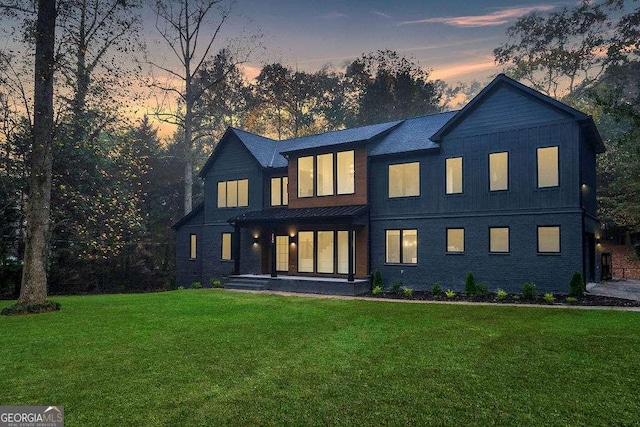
(212, 357)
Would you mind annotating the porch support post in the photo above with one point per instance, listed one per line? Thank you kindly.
(274, 273)
(350, 250)
(235, 245)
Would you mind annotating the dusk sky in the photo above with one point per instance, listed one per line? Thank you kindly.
(455, 38)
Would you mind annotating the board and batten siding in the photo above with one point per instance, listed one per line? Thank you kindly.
(233, 162)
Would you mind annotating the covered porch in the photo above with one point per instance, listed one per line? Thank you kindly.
(323, 242)
(286, 283)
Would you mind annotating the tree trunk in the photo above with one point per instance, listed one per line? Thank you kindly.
(34, 275)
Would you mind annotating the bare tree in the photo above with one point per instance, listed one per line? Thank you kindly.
(190, 28)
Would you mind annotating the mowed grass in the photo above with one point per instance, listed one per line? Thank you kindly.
(212, 357)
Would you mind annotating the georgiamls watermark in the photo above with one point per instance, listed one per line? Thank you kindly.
(31, 416)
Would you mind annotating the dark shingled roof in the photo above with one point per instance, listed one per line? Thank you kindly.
(413, 134)
(337, 137)
(265, 150)
(301, 214)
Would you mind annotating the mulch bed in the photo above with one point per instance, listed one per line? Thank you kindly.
(560, 299)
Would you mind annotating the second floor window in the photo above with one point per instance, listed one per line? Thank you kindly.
(498, 171)
(232, 194)
(548, 173)
(454, 175)
(279, 191)
(305, 176)
(404, 179)
(345, 172)
(325, 175)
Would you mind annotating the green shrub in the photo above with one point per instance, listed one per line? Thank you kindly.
(529, 291)
(571, 300)
(450, 294)
(376, 290)
(482, 289)
(576, 286)
(196, 285)
(436, 290)
(377, 280)
(470, 286)
(396, 286)
(549, 298)
(408, 292)
(19, 309)
(215, 282)
(500, 294)
(515, 297)
(181, 288)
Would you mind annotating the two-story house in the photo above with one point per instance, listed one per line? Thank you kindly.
(504, 188)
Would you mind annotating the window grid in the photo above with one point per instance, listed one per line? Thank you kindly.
(233, 194)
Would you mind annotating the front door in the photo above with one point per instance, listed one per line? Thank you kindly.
(282, 253)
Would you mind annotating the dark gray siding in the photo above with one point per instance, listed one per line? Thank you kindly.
(523, 192)
(188, 270)
(588, 179)
(550, 272)
(506, 108)
(233, 162)
(505, 121)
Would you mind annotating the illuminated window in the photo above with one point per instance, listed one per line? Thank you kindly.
(404, 180)
(305, 176)
(282, 253)
(346, 172)
(325, 252)
(324, 184)
(455, 240)
(226, 246)
(498, 171)
(548, 174)
(401, 247)
(305, 251)
(343, 252)
(499, 239)
(193, 246)
(454, 175)
(279, 188)
(549, 239)
(232, 194)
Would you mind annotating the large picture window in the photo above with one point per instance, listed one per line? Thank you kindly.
(401, 247)
(498, 171)
(279, 189)
(232, 194)
(499, 239)
(404, 179)
(305, 176)
(548, 170)
(226, 246)
(305, 251)
(454, 175)
(455, 240)
(324, 184)
(549, 239)
(345, 172)
(325, 252)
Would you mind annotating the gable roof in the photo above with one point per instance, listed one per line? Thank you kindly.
(499, 81)
(264, 150)
(412, 135)
(338, 137)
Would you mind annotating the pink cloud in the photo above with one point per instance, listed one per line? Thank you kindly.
(498, 17)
